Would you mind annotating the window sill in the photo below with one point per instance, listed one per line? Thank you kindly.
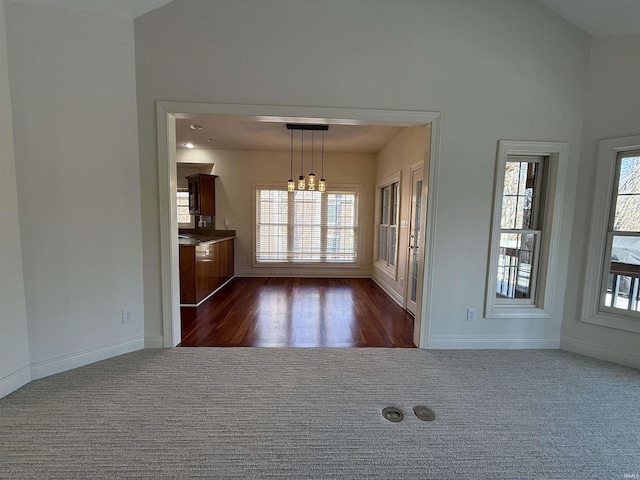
(613, 321)
(509, 311)
(390, 271)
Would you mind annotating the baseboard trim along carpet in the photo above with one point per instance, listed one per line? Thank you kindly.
(454, 342)
(80, 359)
(594, 351)
(15, 380)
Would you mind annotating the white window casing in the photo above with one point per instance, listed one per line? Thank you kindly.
(545, 235)
(594, 308)
(388, 193)
(304, 228)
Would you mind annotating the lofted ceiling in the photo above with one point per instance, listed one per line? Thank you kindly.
(596, 17)
(599, 17)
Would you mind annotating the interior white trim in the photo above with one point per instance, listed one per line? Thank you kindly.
(607, 157)
(460, 342)
(395, 296)
(15, 380)
(80, 359)
(590, 350)
(167, 112)
(558, 154)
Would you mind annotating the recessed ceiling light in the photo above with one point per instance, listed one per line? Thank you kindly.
(210, 140)
(189, 145)
(193, 126)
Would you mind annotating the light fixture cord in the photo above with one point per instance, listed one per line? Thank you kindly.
(311, 151)
(301, 150)
(291, 156)
(322, 154)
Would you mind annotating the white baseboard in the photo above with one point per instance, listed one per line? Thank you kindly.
(15, 380)
(75, 360)
(575, 346)
(307, 273)
(454, 342)
(153, 342)
(389, 291)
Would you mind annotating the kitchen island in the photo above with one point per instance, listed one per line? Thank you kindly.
(206, 264)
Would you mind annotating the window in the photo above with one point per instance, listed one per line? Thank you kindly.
(622, 256)
(525, 229)
(184, 219)
(520, 229)
(306, 226)
(388, 214)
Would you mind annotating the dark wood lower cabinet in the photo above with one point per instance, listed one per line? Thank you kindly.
(203, 269)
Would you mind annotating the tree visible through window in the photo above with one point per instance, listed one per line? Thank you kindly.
(306, 226)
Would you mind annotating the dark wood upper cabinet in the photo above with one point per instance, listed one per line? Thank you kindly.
(202, 194)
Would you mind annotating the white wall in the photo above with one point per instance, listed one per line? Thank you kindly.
(239, 170)
(14, 359)
(613, 110)
(497, 69)
(406, 148)
(72, 78)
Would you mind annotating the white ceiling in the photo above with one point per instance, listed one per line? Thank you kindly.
(596, 17)
(120, 8)
(240, 134)
(599, 17)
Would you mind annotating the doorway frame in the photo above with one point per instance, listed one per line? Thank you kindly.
(168, 112)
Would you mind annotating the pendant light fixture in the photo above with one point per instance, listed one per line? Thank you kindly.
(322, 185)
(311, 183)
(302, 184)
(291, 185)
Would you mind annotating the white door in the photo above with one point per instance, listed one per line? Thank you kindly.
(415, 256)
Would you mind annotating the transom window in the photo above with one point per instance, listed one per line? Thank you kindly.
(306, 226)
(621, 272)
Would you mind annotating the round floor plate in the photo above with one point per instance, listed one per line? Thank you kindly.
(424, 413)
(392, 414)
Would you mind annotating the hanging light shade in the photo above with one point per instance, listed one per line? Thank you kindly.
(322, 184)
(302, 184)
(311, 179)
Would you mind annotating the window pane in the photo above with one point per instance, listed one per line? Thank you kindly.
(383, 243)
(629, 175)
(392, 245)
(515, 264)
(271, 243)
(624, 273)
(627, 216)
(518, 198)
(396, 204)
(384, 217)
(341, 245)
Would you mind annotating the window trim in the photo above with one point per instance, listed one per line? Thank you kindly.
(390, 270)
(557, 154)
(607, 161)
(333, 188)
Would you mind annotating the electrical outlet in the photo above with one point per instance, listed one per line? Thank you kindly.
(127, 317)
(471, 314)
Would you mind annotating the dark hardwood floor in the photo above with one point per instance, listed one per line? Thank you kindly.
(298, 312)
